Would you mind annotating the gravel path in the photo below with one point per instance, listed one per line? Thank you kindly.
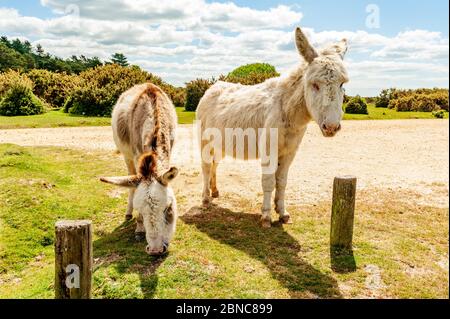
(407, 155)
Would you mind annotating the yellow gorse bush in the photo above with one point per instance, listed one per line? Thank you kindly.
(16, 95)
(423, 100)
(98, 89)
(54, 88)
(13, 79)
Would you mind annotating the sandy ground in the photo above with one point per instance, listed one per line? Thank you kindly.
(394, 155)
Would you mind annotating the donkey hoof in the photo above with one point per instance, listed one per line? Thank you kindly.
(128, 217)
(206, 202)
(266, 223)
(215, 194)
(286, 219)
(139, 236)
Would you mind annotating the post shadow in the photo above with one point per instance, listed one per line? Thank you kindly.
(278, 250)
(120, 249)
(342, 260)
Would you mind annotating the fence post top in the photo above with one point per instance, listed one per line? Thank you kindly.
(72, 223)
(345, 177)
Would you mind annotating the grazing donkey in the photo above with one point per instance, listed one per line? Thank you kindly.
(313, 90)
(144, 122)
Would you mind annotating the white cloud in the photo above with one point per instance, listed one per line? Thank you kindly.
(181, 40)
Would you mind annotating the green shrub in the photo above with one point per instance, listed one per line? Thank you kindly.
(346, 98)
(251, 74)
(254, 68)
(383, 99)
(414, 103)
(424, 100)
(100, 88)
(441, 99)
(176, 94)
(357, 105)
(195, 91)
(16, 95)
(68, 103)
(438, 114)
(53, 88)
(425, 103)
(403, 104)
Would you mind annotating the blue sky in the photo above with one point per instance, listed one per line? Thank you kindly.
(181, 39)
(395, 15)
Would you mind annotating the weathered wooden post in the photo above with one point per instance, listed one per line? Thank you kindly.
(343, 212)
(73, 259)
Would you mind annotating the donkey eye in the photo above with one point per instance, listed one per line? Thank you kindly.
(316, 86)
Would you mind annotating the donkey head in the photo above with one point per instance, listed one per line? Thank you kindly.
(154, 200)
(324, 77)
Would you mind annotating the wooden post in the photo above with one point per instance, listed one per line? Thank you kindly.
(343, 212)
(73, 259)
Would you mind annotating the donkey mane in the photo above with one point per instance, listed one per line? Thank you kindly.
(147, 166)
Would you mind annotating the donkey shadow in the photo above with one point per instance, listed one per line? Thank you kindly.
(120, 249)
(278, 250)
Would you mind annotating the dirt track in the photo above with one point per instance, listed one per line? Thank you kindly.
(406, 155)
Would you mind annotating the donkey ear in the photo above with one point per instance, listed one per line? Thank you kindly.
(169, 176)
(124, 181)
(303, 46)
(340, 48)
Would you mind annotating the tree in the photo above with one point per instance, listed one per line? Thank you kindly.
(120, 59)
(21, 47)
(40, 50)
(11, 59)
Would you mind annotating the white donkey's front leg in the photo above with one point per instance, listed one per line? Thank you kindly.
(281, 181)
(268, 184)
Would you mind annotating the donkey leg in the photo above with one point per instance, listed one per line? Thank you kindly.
(214, 190)
(281, 181)
(284, 162)
(139, 233)
(131, 171)
(268, 184)
(206, 170)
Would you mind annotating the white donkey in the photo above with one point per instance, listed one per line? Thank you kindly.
(312, 91)
(144, 122)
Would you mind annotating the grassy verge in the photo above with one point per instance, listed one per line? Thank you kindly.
(185, 117)
(60, 119)
(51, 119)
(400, 247)
(376, 113)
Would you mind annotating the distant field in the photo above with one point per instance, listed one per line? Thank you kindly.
(60, 119)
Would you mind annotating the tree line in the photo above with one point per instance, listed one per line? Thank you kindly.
(22, 56)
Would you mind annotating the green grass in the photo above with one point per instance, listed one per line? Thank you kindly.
(55, 118)
(220, 252)
(376, 113)
(60, 119)
(185, 117)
